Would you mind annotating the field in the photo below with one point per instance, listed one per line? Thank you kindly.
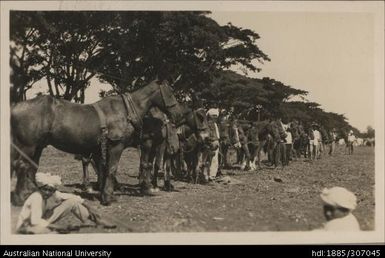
(264, 200)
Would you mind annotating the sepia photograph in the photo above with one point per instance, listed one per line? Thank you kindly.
(190, 122)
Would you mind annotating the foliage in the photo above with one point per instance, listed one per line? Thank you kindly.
(128, 49)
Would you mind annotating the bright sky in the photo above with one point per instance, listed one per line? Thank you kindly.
(330, 55)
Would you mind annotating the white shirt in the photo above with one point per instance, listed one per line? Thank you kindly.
(317, 137)
(347, 223)
(35, 206)
(216, 130)
(351, 138)
(289, 138)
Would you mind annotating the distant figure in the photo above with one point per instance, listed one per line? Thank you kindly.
(213, 114)
(317, 141)
(333, 139)
(338, 206)
(289, 144)
(47, 205)
(351, 140)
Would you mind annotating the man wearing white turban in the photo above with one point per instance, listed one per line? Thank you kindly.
(36, 217)
(351, 140)
(338, 206)
(213, 114)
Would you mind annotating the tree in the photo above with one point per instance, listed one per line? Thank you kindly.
(24, 55)
(230, 89)
(62, 47)
(171, 45)
(127, 49)
(370, 132)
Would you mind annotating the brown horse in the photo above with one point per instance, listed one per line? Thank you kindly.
(228, 138)
(196, 154)
(160, 142)
(82, 129)
(269, 137)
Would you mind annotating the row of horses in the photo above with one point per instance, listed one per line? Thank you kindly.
(171, 135)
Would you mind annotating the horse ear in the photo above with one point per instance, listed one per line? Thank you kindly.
(168, 97)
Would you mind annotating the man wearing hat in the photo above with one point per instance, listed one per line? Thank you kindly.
(338, 206)
(351, 140)
(47, 205)
(333, 138)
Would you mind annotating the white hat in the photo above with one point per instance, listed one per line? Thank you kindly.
(43, 179)
(339, 197)
(213, 112)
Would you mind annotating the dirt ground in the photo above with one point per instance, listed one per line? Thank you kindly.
(264, 200)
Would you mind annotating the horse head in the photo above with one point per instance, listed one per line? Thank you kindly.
(206, 131)
(167, 102)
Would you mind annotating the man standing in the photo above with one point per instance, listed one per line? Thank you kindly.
(213, 114)
(317, 141)
(289, 145)
(351, 140)
(333, 136)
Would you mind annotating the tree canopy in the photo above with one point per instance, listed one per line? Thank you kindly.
(128, 49)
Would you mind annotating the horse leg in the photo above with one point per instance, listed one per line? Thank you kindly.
(25, 173)
(246, 157)
(202, 167)
(284, 156)
(225, 148)
(167, 177)
(276, 155)
(258, 154)
(99, 168)
(158, 154)
(145, 169)
(176, 165)
(113, 157)
(86, 175)
(251, 152)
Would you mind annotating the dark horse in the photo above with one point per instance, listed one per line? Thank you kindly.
(267, 138)
(160, 141)
(196, 153)
(77, 129)
(228, 138)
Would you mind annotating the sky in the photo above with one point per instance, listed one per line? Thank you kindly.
(330, 55)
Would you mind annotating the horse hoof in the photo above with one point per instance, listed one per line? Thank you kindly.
(149, 191)
(105, 203)
(107, 200)
(168, 187)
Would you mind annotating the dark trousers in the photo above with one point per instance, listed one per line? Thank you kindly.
(289, 153)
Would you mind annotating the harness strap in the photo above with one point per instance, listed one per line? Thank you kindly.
(132, 115)
(102, 117)
(103, 137)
